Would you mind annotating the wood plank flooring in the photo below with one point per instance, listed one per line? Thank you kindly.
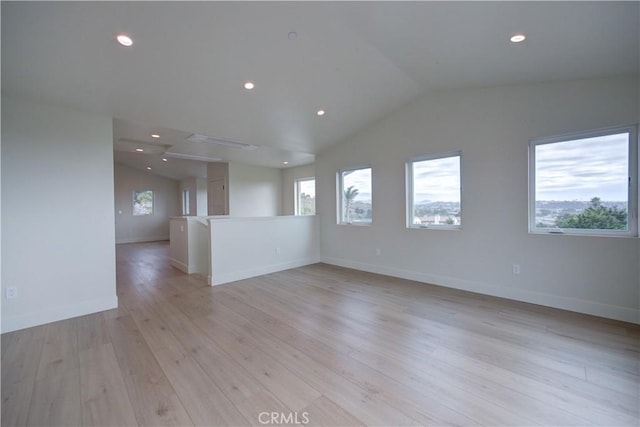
(318, 344)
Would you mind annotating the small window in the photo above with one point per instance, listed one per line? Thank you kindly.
(355, 206)
(185, 202)
(584, 183)
(306, 196)
(433, 192)
(142, 202)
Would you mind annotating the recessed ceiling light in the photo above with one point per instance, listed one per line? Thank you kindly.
(285, 163)
(164, 159)
(517, 38)
(320, 112)
(155, 135)
(139, 150)
(124, 40)
(148, 168)
(249, 85)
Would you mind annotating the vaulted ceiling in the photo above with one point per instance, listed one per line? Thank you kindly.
(358, 61)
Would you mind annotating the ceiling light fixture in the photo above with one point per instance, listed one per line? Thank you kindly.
(164, 159)
(249, 85)
(285, 163)
(320, 112)
(148, 168)
(517, 38)
(155, 135)
(192, 157)
(139, 150)
(124, 40)
(218, 141)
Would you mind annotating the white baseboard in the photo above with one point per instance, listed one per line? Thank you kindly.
(232, 276)
(181, 266)
(53, 314)
(141, 239)
(624, 314)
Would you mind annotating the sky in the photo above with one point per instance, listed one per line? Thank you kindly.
(583, 169)
(437, 180)
(360, 179)
(308, 186)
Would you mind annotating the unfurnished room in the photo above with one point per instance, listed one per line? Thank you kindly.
(320, 213)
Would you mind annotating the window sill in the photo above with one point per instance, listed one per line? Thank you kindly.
(559, 232)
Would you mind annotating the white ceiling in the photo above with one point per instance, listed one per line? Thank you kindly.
(357, 60)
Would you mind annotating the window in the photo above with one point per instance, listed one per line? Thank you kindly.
(142, 202)
(584, 183)
(433, 192)
(306, 196)
(354, 196)
(185, 202)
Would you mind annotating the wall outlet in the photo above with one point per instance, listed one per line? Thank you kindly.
(378, 252)
(278, 251)
(11, 293)
(516, 268)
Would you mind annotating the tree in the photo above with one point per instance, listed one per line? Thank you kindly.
(596, 216)
(349, 195)
(307, 204)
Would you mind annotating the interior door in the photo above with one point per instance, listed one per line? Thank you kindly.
(217, 197)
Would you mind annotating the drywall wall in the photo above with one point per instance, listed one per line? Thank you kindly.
(249, 247)
(143, 228)
(201, 197)
(492, 127)
(289, 178)
(58, 247)
(197, 195)
(189, 249)
(254, 190)
(188, 184)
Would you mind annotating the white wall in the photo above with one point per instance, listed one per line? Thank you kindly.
(254, 190)
(197, 196)
(201, 197)
(188, 184)
(189, 249)
(143, 228)
(249, 247)
(57, 214)
(492, 127)
(289, 178)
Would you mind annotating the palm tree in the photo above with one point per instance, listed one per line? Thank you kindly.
(349, 195)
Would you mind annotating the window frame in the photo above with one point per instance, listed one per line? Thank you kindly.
(134, 200)
(410, 187)
(340, 191)
(186, 202)
(632, 177)
(297, 193)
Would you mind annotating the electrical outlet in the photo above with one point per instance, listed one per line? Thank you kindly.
(11, 292)
(378, 252)
(278, 251)
(516, 268)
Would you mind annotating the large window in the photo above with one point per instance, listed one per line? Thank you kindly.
(142, 202)
(433, 192)
(306, 196)
(354, 196)
(584, 183)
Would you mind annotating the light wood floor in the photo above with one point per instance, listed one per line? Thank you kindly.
(331, 345)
